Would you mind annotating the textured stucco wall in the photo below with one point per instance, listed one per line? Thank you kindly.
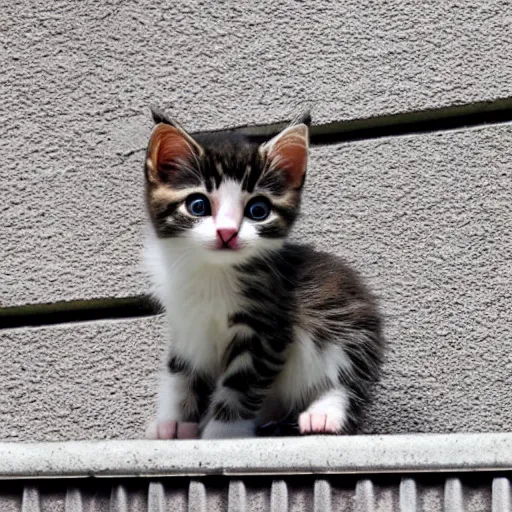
(77, 79)
(425, 218)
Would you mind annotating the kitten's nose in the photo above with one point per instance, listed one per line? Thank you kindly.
(227, 234)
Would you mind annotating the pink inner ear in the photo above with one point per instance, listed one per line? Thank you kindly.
(289, 151)
(169, 147)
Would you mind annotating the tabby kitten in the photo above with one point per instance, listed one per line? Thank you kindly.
(262, 330)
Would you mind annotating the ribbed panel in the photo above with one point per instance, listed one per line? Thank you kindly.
(364, 499)
(119, 499)
(237, 496)
(196, 497)
(30, 501)
(73, 501)
(408, 495)
(453, 495)
(430, 493)
(501, 499)
(156, 497)
(322, 496)
(279, 496)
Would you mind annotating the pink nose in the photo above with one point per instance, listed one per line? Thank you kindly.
(227, 234)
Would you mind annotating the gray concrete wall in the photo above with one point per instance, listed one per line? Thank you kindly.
(424, 217)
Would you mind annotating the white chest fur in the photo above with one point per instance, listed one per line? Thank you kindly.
(198, 298)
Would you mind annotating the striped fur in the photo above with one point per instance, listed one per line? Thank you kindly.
(271, 332)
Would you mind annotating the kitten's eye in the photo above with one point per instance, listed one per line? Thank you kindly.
(258, 208)
(198, 205)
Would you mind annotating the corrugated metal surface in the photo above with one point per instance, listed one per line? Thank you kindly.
(450, 473)
(475, 492)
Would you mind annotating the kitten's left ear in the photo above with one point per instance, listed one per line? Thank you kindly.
(288, 152)
(170, 147)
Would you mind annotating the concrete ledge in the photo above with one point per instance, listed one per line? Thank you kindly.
(271, 456)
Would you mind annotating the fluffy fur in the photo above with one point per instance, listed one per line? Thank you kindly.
(262, 330)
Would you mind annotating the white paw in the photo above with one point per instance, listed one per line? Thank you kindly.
(313, 423)
(172, 430)
(327, 415)
(229, 430)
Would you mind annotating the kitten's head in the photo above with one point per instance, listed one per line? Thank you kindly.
(220, 195)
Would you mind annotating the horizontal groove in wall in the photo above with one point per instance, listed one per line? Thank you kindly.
(443, 119)
(77, 311)
(438, 120)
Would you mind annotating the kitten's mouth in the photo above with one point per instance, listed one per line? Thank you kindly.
(227, 243)
(227, 247)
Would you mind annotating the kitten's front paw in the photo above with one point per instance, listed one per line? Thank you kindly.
(318, 423)
(172, 430)
(229, 430)
(327, 415)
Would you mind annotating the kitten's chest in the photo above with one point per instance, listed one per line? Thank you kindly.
(199, 309)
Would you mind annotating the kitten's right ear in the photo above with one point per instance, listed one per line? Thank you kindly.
(169, 147)
(288, 151)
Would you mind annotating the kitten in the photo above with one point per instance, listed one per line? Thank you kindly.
(262, 330)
